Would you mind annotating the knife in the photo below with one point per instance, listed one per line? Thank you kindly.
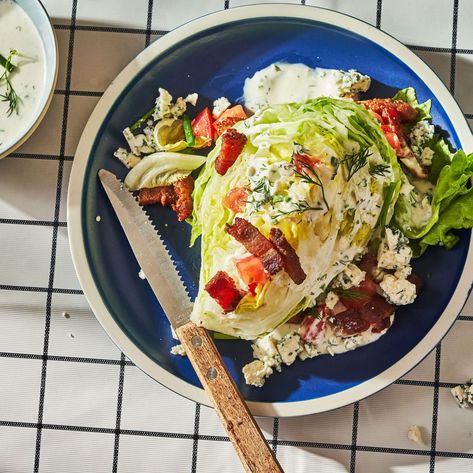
(161, 273)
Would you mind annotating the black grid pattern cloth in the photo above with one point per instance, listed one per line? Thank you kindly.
(71, 402)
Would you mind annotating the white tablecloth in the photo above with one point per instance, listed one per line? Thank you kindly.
(70, 402)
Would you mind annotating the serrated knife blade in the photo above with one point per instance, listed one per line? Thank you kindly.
(149, 250)
(162, 275)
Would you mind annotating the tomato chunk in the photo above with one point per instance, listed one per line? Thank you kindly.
(223, 289)
(235, 200)
(251, 270)
(232, 145)
(304, 162)
(228, 118)
(202, 126)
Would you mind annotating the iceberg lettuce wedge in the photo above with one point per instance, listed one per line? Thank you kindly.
(328, 224)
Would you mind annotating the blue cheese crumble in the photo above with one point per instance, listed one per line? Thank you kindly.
(351, 276)
(219, 106)
(256, 372)
(394, 251)
(420, 136)
(463, 394)
(178, 350)
(165, 108)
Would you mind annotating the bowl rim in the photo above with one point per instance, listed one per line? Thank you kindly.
(74, 207)
(41, 113)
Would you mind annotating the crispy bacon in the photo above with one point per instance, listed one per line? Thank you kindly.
(232, 144)
(223, 289)
(291, 261)
(272, 261)
(276, 253)
(393, 113)
(256, 243)
(390, 109)
(177, 195)
(183, 206)
(163, 195)
(249, 236)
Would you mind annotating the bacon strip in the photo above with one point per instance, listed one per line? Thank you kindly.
(249, 236)
(276, 253)
(223, 289)
(291, 261)
(382, 106)
(256, 243)
(177, 195)
(233, 143)
(163, 195)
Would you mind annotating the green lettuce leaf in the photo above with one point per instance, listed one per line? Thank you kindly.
(162, 169)
(412, 208)
(458, 215)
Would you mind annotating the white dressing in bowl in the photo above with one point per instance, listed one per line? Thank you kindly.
(30, 79)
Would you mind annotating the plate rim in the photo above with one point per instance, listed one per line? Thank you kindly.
(74, 206)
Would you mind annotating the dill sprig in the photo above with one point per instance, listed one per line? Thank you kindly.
(261, 187)
(10, 94)
(354, 162)
(379, 169)
(309, 174)
(297, 207)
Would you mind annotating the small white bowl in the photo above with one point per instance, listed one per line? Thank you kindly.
(37, 13)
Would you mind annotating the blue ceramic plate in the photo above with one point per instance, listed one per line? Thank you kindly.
(212, 56)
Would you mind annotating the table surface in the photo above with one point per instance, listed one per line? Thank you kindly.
(71, 402)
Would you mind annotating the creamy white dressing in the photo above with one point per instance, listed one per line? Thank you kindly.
(18, 32)
(284, 83)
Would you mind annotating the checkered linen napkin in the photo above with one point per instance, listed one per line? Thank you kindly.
(71, 402)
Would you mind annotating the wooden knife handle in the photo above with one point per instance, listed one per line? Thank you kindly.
(243, 431)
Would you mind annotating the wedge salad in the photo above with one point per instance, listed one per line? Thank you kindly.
(310, 205)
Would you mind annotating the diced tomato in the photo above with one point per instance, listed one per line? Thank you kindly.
(377, 116)
(252, 288)
(223, 289)
(311, 327)
(235, 200)
(202, 125)
(228, 118)
(251, 270)
(232, 145)
(304, 161)
(392, 137)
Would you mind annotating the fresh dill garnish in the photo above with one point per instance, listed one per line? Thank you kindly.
(10, 94)
(297, 207)
(354, 162)
(261, 187)
(379, 169)
(309, 174)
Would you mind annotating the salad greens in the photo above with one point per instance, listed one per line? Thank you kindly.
(429, 213)
(326, 237)
(162, 169)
